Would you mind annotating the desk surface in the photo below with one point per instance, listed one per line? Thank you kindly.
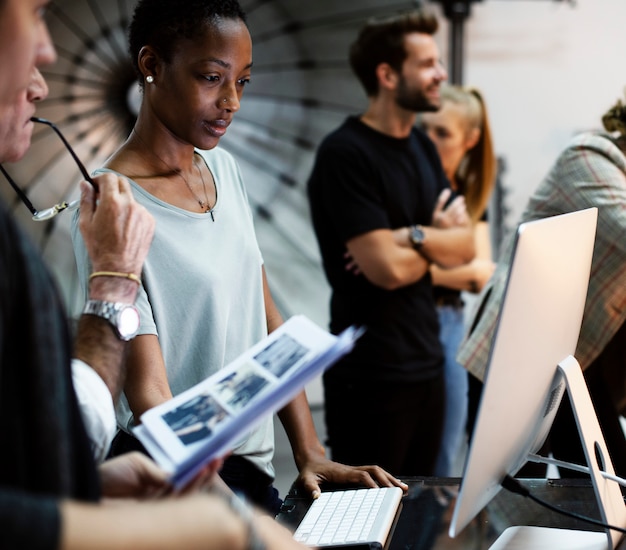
(427, 510)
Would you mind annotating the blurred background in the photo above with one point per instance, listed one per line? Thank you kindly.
(547, 68)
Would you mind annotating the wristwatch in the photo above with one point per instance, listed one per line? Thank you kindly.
(416, 236)
(124, 318)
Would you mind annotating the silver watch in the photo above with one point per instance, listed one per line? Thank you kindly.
(416, 236)
(124, 318)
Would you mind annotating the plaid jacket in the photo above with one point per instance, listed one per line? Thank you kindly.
(591, 171)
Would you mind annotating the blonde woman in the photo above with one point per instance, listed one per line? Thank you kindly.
(461, 133)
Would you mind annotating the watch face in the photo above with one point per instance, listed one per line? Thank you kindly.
(417, 236)
(128, 322)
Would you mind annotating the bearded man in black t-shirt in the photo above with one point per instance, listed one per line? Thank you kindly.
(382, 213)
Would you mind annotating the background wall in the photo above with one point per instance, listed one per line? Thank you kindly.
(548, 69)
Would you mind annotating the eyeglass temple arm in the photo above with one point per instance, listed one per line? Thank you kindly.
(21, 193)
(80, 165)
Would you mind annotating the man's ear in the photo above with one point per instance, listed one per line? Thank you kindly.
(148, 61)
(387, 76)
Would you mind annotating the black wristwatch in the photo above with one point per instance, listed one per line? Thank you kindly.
(124, 318)
(416, 236)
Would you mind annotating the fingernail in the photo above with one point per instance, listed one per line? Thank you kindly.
(315, 494)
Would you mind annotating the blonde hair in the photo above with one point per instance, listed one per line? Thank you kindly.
(476, 174)
(614, 120)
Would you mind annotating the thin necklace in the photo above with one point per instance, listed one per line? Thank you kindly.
(203, 204)
(209, 209)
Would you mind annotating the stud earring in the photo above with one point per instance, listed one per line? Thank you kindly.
(225, 100)
(149, 79)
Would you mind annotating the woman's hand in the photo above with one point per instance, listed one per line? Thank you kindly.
(321, 469)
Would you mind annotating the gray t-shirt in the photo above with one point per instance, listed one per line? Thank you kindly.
(202, 291)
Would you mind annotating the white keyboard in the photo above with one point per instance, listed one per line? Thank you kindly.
(356, 516)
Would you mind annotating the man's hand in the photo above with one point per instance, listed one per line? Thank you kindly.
(117, 232)
(454, 215)
(132, 475)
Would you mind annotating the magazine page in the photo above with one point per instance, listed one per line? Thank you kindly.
(209, 419)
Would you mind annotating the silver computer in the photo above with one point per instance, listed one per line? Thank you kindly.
(536, 335)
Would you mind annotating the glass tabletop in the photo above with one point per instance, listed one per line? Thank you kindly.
(427, 510)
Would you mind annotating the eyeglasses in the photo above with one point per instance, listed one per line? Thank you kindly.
(43, 215)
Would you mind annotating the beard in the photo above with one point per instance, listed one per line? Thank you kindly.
(414, 99)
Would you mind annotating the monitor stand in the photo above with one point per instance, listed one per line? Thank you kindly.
(608, 493)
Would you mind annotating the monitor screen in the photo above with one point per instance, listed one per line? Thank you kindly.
(538, 327)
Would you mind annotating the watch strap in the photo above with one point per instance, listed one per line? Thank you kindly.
(109, 311)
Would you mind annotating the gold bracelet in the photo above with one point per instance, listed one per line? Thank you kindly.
(130, 276)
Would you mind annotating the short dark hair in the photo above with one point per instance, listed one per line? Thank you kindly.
(162, 23)
(382, 41)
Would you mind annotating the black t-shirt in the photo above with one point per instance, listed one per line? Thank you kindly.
(364, 180)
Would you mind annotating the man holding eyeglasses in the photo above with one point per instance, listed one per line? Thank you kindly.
(97, 367)
(50, 489)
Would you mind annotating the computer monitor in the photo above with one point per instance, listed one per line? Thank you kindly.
(536, 336)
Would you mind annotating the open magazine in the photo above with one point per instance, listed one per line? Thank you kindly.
(208, 420)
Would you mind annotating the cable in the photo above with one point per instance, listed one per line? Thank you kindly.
(511, 484)
(576, 467)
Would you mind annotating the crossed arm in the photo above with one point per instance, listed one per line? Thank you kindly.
(472, 276)
(387, 258)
